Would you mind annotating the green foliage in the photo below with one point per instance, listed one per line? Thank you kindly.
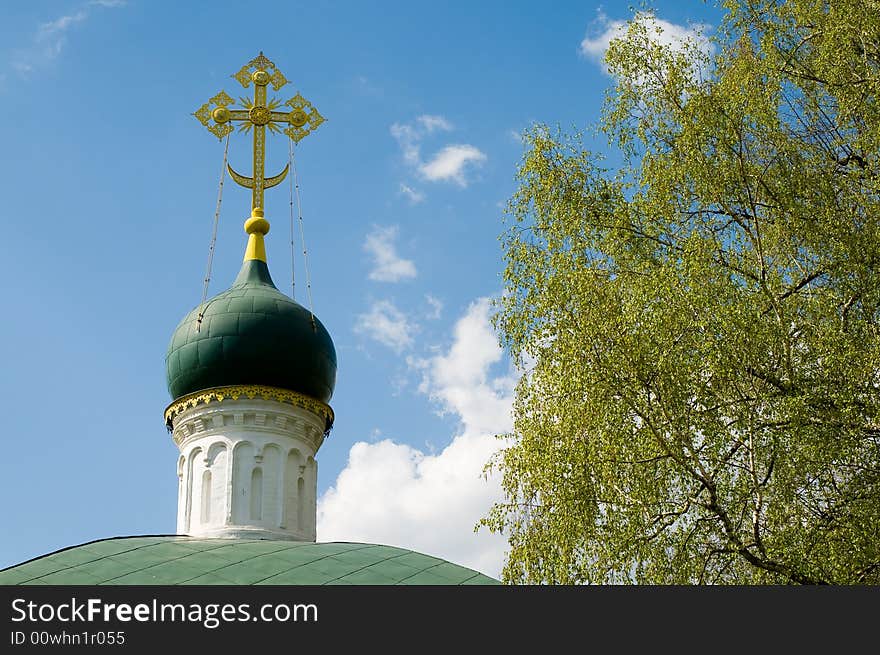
(700, 327)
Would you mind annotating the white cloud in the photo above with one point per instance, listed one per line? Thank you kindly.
(450, 163)
(60, 25)
(49, 41)
(679, 38)
(409, 136)
(415, 197)
(409, 139)
(459, 380)
(396, 494)
(436, 307)
(388, 266)
(433, 123)
(387, 325)
(50, 37)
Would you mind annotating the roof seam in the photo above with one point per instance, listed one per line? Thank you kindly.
(74, 566)
(297, 545)
(88, 543)
(306, 564)
(476, 574)
(162, 563)
(381, 561)
(438, 564)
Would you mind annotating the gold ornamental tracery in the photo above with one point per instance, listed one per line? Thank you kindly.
(250, 391)
(258, 114)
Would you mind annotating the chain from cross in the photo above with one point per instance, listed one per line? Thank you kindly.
(257, 115)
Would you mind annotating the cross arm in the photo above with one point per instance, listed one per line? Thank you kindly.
(237, 115)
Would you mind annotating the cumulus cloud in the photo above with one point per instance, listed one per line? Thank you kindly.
(388, 266)
(396, 494)
(409, 136)
(50, 37)
(678, 38)
(459, 380)
(385, 323)
(450, 163)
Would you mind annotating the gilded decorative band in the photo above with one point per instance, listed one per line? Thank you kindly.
(251, 391)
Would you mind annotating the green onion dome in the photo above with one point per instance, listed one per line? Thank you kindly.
(251, 334)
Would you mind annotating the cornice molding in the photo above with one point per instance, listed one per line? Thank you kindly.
(218, 394)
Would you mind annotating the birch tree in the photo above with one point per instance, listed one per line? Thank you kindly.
(700, 324)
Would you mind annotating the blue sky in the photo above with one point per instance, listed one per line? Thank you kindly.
(109, 187)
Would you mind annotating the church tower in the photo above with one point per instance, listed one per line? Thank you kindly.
(251, 371)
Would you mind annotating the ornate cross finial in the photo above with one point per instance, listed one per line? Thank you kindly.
(258, 114)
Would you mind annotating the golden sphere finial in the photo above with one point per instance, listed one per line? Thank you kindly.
(221, 115)
(298, 118)
(256, 224)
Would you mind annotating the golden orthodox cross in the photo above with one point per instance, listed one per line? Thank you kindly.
(258, 114)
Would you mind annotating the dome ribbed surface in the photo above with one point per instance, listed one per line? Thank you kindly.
(177, 560)
(251, 334)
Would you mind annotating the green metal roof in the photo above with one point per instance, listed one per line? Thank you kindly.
(251, 334)
(173, 560)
